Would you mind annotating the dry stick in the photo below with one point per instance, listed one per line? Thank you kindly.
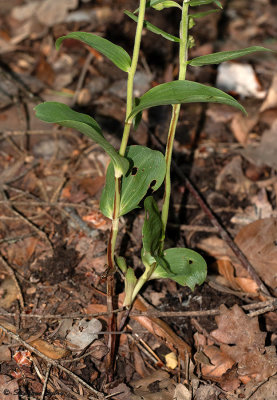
(52, 362)
(262, 306)
(12, 275)
(82, 78)
(45, 381)
(221, 230)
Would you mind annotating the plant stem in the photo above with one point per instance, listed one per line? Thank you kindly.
(183, 56)
(142, 280)
(116, 207)
(131, 75)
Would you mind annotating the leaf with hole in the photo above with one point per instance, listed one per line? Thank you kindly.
(63, 115)
(153, 28)
(176, 92)
(187, 267)
(114, 53)
(194, 3)
(222, 56)
(147, 171)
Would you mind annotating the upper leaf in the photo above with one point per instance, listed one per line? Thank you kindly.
(153, 28)
(152, 230)
(187, 267)
(114, 53)
(63, 115)
(203, 14)
(222, 56)
(177, 92)
(147, 171)
(160, 4)
(194, 3)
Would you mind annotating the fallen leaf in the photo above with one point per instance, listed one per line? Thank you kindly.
(52, 12)
(83, 333)
(181, 393)
(220, 361)
(49, 350)
(8, 292)
(271, 98)
(9, 388)
(171, 360)
(258, 241)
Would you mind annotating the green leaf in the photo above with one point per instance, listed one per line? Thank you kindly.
(188, 268)
(147, 170)
(153, 28)
(114, 53)
(194, 3)
(178, 92)
(202, 14)
(222, 56)
(63, 115)
(160, 4)
(152, 230)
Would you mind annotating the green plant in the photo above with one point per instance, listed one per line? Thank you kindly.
(135, 169)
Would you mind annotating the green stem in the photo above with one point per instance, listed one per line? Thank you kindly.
(131, 75)
(125, 136)
(183, 56)
(142, 280)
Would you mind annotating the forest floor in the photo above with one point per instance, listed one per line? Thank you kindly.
(53, 236)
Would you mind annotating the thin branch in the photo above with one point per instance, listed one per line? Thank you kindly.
(45, 381)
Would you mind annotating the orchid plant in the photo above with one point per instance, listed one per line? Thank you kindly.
(134, 170)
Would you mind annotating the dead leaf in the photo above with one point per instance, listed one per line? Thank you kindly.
(49, 350)
(239, 78)
(9, 388)
(241, 126)
(232, 179)
(157, 386)
(220, 361)
(83, 333)
(52, 12)
(8, 292)
(271, 98)
(181, 393)
(258, 241)
(263, 153)
(5, 353)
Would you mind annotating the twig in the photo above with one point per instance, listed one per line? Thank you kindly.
(263, 306)
(12, 275)
(45, 381)
(221, 230)
(81, 78)
(52, 362)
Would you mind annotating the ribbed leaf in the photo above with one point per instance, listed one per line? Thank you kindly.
(152, 228)
(147, 170)
(203, 14)
(63, 115)
(114, 53)
(194, 3)
(183, 92)
(187, 267)
(153, 28)
(222, 56)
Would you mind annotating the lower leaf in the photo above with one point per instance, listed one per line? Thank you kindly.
(187, 267)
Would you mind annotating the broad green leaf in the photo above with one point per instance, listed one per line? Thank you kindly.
(152, 230)
(178, 92)
(114, 53)
(194, 3)
(153, 28)
(187, 267)
(203, 14)
(63, 115)
(147, 171)
(160, 4)
(222, 56)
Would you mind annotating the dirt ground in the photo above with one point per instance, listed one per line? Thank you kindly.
(53, 237)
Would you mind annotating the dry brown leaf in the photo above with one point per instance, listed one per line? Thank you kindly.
(258, 243)
(9, 388)
(8, 292)
(220, 361)
(241, 126)
(254, 360)
(235, 327)
(271, 98)
(49, 350)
